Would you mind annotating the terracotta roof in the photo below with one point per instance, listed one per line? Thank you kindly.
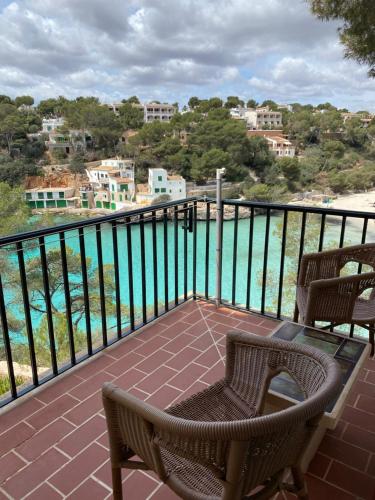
(121, 180)
(106, 168)
(174, 178)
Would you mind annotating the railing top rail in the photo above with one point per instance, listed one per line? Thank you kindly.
(300, 208)
(92, 221)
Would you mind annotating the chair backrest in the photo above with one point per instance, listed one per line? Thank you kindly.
(241, 453)
(328, 264)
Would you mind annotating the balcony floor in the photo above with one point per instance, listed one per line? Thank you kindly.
(54, 445)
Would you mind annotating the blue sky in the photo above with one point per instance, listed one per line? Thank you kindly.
(172, 49)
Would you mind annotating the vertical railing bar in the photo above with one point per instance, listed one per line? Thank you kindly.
(363, 241)
(86, 298)
(301, 240)
(64, 266)
(185, 250)
(235, 236)
(321, 235)
(207, 255)
(101, 283)
(26, 305)
(166, 275)
(155, 263)
(282, 262)
(130, 271)
(250, 257)
(342, 233)
(176, 255)
(194, 249)
(117, 278)
(47, 298)
(265, 261)
(7, 344)
(143, 268)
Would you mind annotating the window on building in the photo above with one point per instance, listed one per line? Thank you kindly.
(160, 178)
(157, 190)
(163, 190)
(170, 190)
(49, 195)
(120, 197)
(28, 196)
(84, 196)
(41, 196)
(61, 194)
(113, 197)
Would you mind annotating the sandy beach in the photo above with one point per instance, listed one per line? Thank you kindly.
(364, 202)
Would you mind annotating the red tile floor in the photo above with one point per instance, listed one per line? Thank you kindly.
(54, 445)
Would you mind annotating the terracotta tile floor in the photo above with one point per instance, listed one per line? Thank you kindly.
(54, 445)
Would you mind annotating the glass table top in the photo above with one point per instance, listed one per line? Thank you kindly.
(346, 351)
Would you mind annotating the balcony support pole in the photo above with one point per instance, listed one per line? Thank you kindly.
(219, 237)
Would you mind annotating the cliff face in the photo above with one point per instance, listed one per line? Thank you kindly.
(58, 178)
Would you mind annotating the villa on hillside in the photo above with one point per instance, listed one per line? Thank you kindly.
(160, 183)
(51, 124)
(258, 118)
(277, 142)
(152, 111)
(111, 185)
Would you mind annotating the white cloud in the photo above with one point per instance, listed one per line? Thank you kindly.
(173, 49)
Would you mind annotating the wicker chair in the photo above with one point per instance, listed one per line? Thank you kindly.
(324, 295)
(216, 444)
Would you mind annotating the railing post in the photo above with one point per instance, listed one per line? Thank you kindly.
(219, 219)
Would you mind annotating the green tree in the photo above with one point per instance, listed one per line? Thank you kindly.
(131, 117)
(290, 168)
(334, 149)
(233, 101)
(338, 182)
(252, 103)
(5, 99)
(357, 31)
(52, 106)
(27, 100)
(132, 100)
(204, 168)
(77, 164)
(58, 306)
(193, 102)
(13, 208)
(12, 127)
(259, 192)
(271, 104)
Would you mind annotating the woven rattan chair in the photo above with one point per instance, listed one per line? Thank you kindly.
(217, 444)
(324, 295)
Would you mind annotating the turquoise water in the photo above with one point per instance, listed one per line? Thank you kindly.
(332, 235)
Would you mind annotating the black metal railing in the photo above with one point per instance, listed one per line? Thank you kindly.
(271, 240)
(69, 291)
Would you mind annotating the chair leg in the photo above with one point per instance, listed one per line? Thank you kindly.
(117, 483)
(296, 313)
(299, 483)
(371, 334)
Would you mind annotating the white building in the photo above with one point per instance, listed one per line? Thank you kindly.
(258, 118)
(160, 183)
(99, 176)
(112, 183)
(57, 197)
(152, 111)
(51, 124)
(280, 146)
(158, 112)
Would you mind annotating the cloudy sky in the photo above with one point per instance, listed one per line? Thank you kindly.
(172, 49)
